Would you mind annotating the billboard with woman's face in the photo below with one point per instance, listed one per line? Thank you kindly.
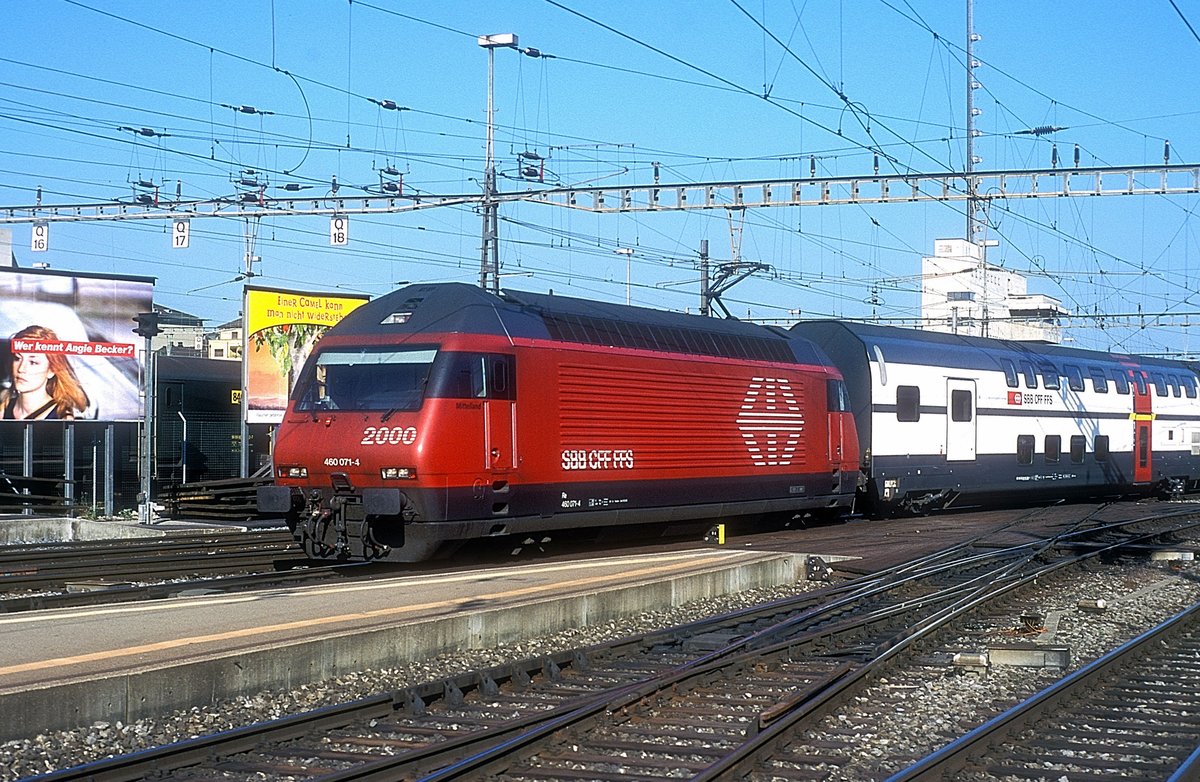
(67, 347)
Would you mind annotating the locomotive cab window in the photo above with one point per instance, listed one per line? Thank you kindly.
(365, 379)
(838, 396)
(908, 403)
(473, 376)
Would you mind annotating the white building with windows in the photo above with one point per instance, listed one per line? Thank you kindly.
(961, 293)
(226, 342)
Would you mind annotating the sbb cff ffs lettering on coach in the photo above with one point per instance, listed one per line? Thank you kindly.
(440, 413)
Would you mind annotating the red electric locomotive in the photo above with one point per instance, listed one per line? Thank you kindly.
(440, 413)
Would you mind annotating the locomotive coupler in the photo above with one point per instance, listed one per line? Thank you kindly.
(337, 505)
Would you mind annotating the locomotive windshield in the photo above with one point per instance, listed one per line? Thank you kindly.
(365, 379)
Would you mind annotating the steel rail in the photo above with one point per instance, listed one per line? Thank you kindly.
(956, 755)
(53, 566)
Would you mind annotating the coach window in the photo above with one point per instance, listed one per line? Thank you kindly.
(1074, 377)
(1160, 383)
(1025, 449)
(1049, 376)
(1101, 447)
(1053, 448)
(1121, 381)
(1078, 447)
(1010, 373)
(1189, 386)
(1030, 374)
(1173, 381)
(1099, 383)
(960, 405)
(1139, 380)
(908, 403)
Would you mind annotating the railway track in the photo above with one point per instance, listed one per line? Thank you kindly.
(57, 566)
(714, 699)
(1129, 715)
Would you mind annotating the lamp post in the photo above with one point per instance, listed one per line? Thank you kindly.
(489, 257)
(148, 328)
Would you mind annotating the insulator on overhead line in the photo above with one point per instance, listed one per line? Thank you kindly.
(390, 105)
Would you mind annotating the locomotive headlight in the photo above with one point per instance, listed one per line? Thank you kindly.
(397, 473)
(292, 471)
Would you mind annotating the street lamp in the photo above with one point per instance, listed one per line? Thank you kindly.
(489, 260)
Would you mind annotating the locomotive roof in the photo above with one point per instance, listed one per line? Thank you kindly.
(916, 346)
(462, 308)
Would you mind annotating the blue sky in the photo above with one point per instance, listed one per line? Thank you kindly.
(628, 85)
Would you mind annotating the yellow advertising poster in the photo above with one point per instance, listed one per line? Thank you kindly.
(281, 328)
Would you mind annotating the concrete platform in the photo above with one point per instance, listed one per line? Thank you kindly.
(20, 529)
(70, 667)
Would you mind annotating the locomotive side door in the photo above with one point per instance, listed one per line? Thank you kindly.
(960, 420)
(1142, 416)
(499, 419)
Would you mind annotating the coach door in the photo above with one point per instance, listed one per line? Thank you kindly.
(1143, 449)
(960, 420)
